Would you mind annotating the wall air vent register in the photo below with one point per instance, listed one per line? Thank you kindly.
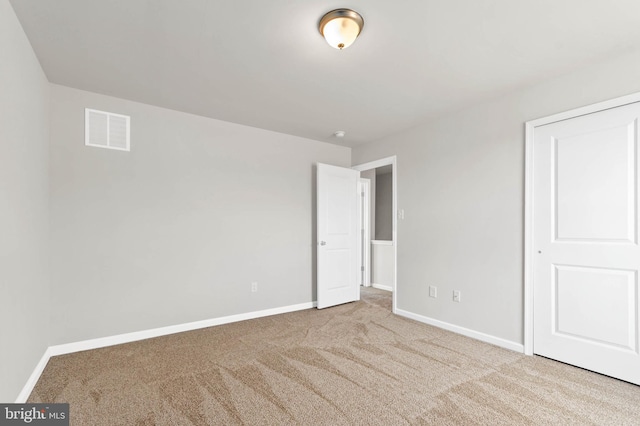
(106, 130)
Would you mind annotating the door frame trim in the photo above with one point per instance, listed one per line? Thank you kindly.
(389, 161)
(529, 251)
(365, 214)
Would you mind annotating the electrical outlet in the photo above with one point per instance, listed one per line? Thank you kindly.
(457, 296)
(433, 291)
(254, 287)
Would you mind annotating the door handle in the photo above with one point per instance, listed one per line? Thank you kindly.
(323, 243)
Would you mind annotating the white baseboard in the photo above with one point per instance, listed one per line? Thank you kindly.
(33, 379)
(145, 334)
(382, 287)
(172, 329)
(498, 341)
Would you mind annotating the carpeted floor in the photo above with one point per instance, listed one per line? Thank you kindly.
(355, 364)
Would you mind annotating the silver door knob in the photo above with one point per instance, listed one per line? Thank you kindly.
(323, 243)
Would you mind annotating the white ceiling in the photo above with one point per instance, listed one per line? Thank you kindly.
(264, 64)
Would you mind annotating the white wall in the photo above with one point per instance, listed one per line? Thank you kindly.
(177, 229)
(24, 207)
(382, 263)
(461, 184)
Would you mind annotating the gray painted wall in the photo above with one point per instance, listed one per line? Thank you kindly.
(177, 229)
(384, 207)
(461, 184)
(24, 207)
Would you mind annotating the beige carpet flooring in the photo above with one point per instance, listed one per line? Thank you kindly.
(355, 364)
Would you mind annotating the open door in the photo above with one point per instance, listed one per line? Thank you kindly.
(337, 235)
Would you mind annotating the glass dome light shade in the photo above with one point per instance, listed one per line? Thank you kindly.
(341, 27)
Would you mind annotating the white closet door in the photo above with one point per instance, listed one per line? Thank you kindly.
(586, 242)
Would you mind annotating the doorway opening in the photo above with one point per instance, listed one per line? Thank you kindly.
(378, 219)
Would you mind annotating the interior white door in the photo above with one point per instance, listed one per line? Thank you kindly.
(338, 235)
(586, 256)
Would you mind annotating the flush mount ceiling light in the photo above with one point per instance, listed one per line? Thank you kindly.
(341, 27)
